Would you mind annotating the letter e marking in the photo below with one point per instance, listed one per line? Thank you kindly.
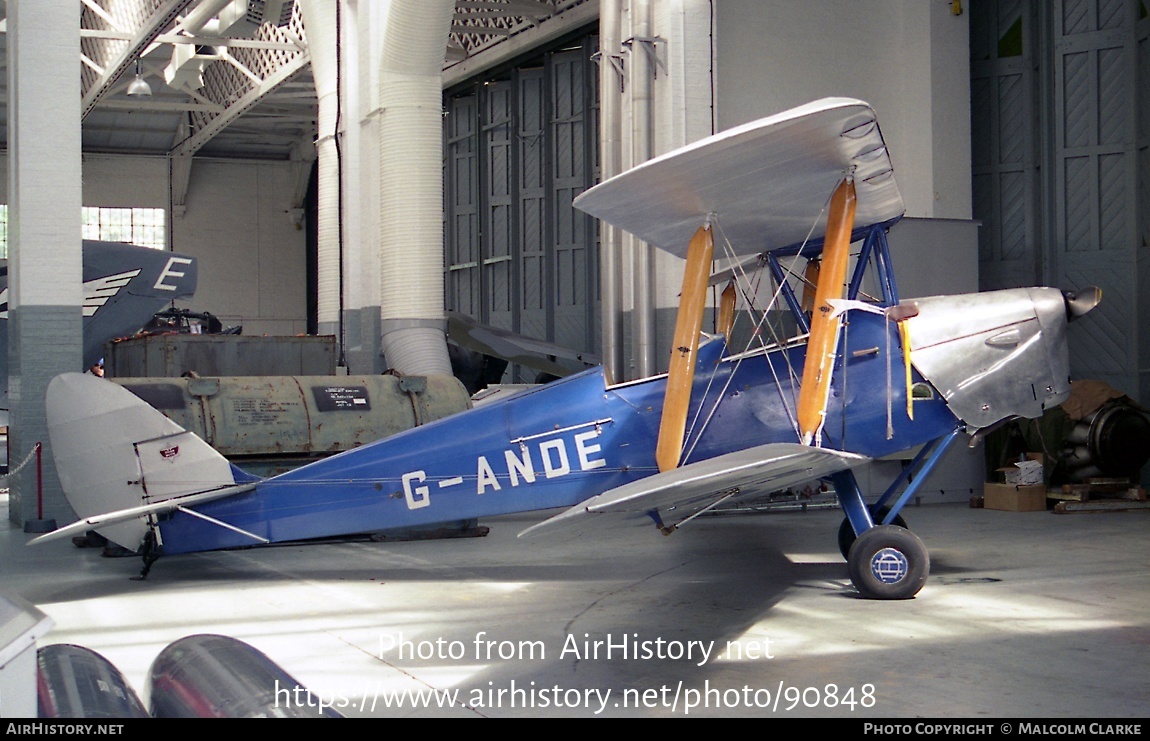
(168, 272)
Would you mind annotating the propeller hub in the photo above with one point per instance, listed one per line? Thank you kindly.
(1080, 302)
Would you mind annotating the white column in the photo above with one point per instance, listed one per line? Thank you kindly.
(321, 19)
(44, 255)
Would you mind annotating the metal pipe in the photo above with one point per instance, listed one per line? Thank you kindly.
(643, 316)
(319, 17)
(610, 157)
(411, 187)
(39, 480)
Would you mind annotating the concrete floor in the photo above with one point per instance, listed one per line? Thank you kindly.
(1026, 615)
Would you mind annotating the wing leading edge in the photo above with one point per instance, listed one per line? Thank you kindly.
(670, 498)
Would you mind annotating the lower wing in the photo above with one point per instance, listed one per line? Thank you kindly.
(670, 499)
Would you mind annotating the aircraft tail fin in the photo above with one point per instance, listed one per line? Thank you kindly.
(99, 431)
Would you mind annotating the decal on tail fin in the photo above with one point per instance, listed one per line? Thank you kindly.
(101, 433)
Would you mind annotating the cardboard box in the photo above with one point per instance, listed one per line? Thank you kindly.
(1014, 498)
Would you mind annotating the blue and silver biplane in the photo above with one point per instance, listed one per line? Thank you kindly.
(861, 375)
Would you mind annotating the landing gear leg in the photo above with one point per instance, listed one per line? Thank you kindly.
(150, 553)
(847, 533)
(888, 562)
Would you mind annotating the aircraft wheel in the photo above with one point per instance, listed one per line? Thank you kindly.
(888, 562)
(847, 533)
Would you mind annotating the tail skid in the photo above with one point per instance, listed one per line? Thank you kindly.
(98, 431)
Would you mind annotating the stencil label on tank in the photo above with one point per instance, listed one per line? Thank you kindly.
(341, 398)
(260, 412)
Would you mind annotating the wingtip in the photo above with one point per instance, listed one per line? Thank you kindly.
(534, 530)
(56, 534)
(553, 523)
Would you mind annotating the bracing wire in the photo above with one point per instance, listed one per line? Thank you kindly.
(743, 282)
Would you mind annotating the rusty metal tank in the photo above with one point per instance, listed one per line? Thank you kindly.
(273, 423)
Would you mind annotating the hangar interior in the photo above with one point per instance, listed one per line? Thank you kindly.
(354, 168)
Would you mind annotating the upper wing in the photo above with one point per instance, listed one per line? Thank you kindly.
(767, 181)
(672, 497)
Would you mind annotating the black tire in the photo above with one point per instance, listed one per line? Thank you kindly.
(888, 562)
(847, 533)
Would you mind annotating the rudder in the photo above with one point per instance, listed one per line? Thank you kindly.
(115, 452)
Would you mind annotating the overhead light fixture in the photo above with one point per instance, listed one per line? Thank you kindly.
(139, 86)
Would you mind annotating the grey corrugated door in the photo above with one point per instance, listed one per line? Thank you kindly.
(574, 324)
(499, 214)
(1059, 100)
(461, 206)
(1142, 198)
(1094, 166)
(535, 222)
(519, 256)
(1004, 144)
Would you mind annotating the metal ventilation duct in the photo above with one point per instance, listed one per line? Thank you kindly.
(411, 186)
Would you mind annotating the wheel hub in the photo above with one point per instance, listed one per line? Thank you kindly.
(889, 566)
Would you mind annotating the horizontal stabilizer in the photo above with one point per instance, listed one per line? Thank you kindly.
(102, 522)
(115, 454)
(679, 494)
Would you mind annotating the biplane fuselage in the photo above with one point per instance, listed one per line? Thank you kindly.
(883, 376)
(562, 443)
